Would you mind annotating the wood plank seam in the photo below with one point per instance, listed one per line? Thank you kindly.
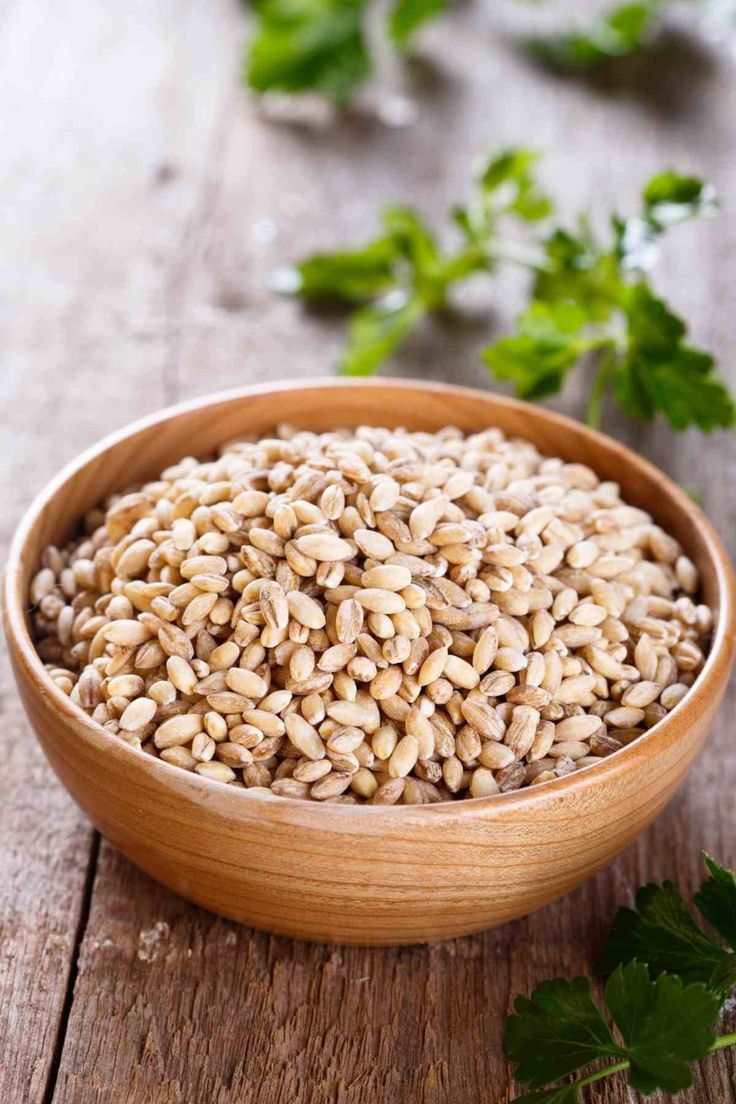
(79, 934)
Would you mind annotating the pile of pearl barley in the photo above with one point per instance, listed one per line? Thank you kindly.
(373, 616)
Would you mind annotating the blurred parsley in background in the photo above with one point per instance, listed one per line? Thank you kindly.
(590, 299)
(320, 45)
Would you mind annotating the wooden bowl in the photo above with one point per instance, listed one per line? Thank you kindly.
(360, 874)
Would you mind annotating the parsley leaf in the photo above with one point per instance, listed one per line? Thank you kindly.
(660, 373)
(668, 979)
(619, 32)
(590, 301)
(308, 45)
(508, 181)
(350, 275)
(416, 244)
(505, 186)
(661, 932)
(548, 344)
(405, 272)
(641, 344)
(556, 1032)
(320, 45)
(723, 978)
(670, 198)
(716, 899)
(578, 270)
(665, 1025)
(408, 15)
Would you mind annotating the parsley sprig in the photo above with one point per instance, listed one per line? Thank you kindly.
(590, 301)
(593, 299)
(404, 274)
(668, 981)
(321, 46)
(622, 30)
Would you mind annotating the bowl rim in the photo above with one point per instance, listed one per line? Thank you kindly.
(23, 650)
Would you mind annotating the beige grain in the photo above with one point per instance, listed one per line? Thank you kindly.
(373, 616)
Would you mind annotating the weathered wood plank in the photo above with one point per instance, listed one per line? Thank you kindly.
(92, 235)
(44, 857)
(138, 263)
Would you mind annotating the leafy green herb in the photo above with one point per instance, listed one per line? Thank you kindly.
(302, 45)
(558, 1031)
(351, 276)
(590, 299)
(658, 371)
(507, 185)
(376, 331)
(662, 932)
(638, 343)
(621, 31)
(668, 199)
(548, 344)
(662, 997)
(404, 273)
(320, 45)
(671, 198)
(664, 1023)
(717, 901)
(407, 16)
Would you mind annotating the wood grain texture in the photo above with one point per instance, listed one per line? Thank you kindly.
(140, 198)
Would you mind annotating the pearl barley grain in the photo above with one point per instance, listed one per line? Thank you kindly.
(373, 615)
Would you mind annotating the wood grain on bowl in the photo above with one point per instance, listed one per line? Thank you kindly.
(361, 874)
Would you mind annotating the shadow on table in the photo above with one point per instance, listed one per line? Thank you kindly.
(377, 111)
(669, 78)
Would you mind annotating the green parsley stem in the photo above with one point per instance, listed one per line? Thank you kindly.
(497, 250)
(721, 1042)
(597, 393)
(724, 1041)
(601, 1073)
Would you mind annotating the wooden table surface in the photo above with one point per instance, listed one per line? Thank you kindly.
(144, 201)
